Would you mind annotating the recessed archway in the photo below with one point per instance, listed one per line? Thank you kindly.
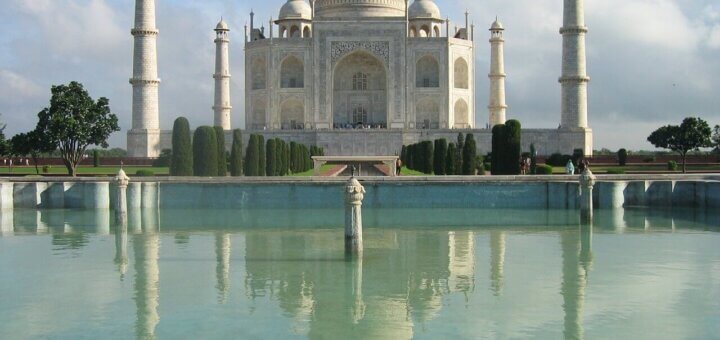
(461, 74)
(427, 72)
(292, 73)
(462, 119)
(359, 90)
(292, 114)
(427, 114)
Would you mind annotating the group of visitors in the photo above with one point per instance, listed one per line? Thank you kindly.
(582, 165)
(18, 162)
(358, 126)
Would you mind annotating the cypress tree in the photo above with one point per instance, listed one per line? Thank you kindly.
(222, 158)
(469, 155)
(533, 158)
(514, 149)
(286, 159)
(252, 159)
(403, 155)
(278, 156)
(270, 165)
(262, 160)
(293, 157)
(182, 157)
(451, 158)
(459, 155)
(440, 156)
(205, 152)
(498, 149)
(428, 151)
(236, 156)
(409, 157)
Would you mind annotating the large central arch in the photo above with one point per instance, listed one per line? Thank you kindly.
(360, 91)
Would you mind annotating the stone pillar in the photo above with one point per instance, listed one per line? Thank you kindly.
(144, 137)
(222, 105)
(354, 194)
(587, 181)
(497, 106)
(121, 211)
(574, 77)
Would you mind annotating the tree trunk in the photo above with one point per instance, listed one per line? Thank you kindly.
(684, 156)
(35, 159)
(71, 168)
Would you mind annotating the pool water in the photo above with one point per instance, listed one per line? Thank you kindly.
(631, 274)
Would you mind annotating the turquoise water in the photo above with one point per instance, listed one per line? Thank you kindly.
(632, 274)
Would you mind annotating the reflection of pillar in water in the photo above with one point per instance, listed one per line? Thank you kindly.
(574, 246)
(150, 220)
(497, 260)
(7, 222)
(222, 270)
(461, 265)
(102, 221)
(147, 281)
(121, 256)
(135, 220)
(358, 309)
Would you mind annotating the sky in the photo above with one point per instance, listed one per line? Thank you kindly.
(651, 62)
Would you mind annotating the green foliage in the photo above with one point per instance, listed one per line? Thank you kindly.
(715, 142)
(615, 171)
(205, 153)
(558, 159)
(479, 165)
(451, 159)
(469, 155)
(403, 155)
(459, 153)
(30, 143)
(262, 163)
(672, 166)
(622, 157)
(270, 155)
(544, 169)
(182, 156)
(252, 158)
(106, 153)
(427, 156)
(513, 148)
(75, 121)
(96, 158)
(692, 134)
(498, 145)
(164, 159)
(221, 154)
(440, 156)
(577, 156)
(236, 156)
(46, 168)
(144, 173)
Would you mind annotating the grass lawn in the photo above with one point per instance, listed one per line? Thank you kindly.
(85, 170)
(407, 172)
(323, 169)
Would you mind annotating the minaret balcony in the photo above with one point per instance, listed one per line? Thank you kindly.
(140, 81)
(143, 32)
(573, 29)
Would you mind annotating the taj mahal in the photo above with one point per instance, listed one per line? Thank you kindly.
(363, 77)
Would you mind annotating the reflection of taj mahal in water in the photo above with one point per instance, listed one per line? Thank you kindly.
(363, 77)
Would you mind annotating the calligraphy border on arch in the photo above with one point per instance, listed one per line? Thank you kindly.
(380, 49)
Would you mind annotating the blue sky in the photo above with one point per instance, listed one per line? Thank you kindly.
(651, 62)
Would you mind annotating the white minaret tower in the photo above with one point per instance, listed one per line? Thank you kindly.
(222, 77)
(574, 77)
(144, 137)
(497, 105)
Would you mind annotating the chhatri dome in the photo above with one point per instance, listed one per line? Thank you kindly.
(222, 26)
(295, 9)
(496, 25)
(359, 8)
(424, 9)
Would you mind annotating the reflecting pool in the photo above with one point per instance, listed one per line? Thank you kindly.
(631, 274)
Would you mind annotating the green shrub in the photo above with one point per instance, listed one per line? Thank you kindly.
(513, 148)
(427, 156)
(479, 165)
(672, 165)
(533, 158)
(262, 160)
(403, 155)
(459, 156)
(221, 154)
(498, 148)
(622, 157)
(252, 159)
(557, 159)
(451, 159)
(205, 153)
(181, 163)
(46, 168)
(96, 158)
(144, 173)
(469, 155)
(236, 156)
(615, 171)
(544, 169)
(440, 156)
(271, 156)
(650, 159)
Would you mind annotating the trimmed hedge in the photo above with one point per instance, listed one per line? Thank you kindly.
(262, 157)
(469, 155)
(459, 154)
(236, 156)
(440, 156)
(451, 159)
(144, 173)
(271, 157)
(222, 156)
(544, 169)
(182, 156)
(506, 149)
(252, 158)
(205, 153)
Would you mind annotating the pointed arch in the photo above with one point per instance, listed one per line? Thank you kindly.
(259, 73)
(427, 72)
(257, 118)
(427, 113)
(292, 73)
(461, 74)
(306, 32)
(462, 118)
(292, 114)
(436, 31)
(294, 32)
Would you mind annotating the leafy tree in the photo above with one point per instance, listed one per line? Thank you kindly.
(716, 138)
(205, 153)
(692, 134)
(96, 158)
(469, 155)
(450, 160)
(459, 155)
(164, 159)
(75, 121)
(32, 144)
(498, 149)
(4, 144)
(440, 156)
(514, 139)
(182, 156)
(261, 156)
(236, 156)
(221, 155)
(622, 157)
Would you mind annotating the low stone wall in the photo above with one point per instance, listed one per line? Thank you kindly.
(535, 192)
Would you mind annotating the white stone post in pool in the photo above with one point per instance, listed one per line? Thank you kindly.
(354, 194)
(587, 181)
(122, 181)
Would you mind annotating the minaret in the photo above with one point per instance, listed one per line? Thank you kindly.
(574, 77)
(222, 77)
(144, 137)
(497, 105)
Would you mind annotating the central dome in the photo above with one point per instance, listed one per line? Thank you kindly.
(359, 8)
